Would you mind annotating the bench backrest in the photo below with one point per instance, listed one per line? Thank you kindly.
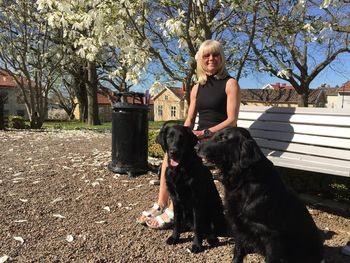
(315, 139)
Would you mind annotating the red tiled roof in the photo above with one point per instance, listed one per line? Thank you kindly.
(102, 99)
(282, 86)
(345, 87)
(179, 92)
(6, 81)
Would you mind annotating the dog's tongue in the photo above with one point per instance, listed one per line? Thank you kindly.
(173, 163)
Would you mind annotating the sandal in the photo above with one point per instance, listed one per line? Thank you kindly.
(155, 210)
(161, 222)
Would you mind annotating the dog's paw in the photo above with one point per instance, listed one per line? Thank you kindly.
(213, 241)
(196, 249)
(172, 240)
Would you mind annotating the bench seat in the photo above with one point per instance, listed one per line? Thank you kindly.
(311, 139)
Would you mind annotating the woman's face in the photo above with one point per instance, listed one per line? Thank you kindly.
(211, 61)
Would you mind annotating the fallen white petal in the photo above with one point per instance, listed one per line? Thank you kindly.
(58, 216)
(100, 222)
(23, 200)
(4, 258)
(138, 186)
(95, 183)
(57, 200)
(69, 238)
(20, 239)
(119, 204)
(107, 208)
(99, 179)
(20, 221)
(36, 182)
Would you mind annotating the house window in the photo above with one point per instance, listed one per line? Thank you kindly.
(173, 111)
(160, 110)
(5, 96)
(166, 97)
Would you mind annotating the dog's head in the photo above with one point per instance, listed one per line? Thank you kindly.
(176, 141)
(231, 147)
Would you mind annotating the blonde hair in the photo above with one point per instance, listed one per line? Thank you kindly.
(210, 46)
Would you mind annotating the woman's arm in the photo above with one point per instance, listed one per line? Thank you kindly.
(192, 110)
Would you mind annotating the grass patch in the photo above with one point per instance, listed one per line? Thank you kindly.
(74, 125)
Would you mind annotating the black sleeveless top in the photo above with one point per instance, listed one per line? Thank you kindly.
(211, 102)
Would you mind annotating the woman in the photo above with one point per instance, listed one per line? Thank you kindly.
(216, 99)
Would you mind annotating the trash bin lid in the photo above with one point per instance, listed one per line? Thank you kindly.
(125, 105)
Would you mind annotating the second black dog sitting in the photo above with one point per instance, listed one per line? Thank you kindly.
(197, 204)
(268, 218)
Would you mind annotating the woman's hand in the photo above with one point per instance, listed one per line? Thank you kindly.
(199, 134)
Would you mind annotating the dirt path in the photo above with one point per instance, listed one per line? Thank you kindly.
(59, 203)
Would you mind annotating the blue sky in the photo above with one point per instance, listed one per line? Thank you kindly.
(336, 74)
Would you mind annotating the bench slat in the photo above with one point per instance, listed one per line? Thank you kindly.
(291, 110)
(304, 149)
(341, 121)
(302, 138)
(320, 168)
(314, 160)
(296, 128)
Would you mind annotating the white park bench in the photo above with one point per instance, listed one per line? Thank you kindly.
(311, 139)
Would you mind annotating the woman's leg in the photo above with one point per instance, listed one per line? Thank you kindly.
(163, 196)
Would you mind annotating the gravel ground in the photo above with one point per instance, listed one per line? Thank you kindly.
(59, 203)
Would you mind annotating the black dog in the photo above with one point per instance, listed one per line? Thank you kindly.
(197, 204)
(267, 217)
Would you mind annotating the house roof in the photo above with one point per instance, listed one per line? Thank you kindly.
(104, 100)
(6, 81)
(278, 86)
(178, 92)
(278, 95)
(345, 87)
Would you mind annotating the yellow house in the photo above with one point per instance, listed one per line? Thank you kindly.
(170, 104)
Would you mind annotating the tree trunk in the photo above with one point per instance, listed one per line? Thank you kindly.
(93, 118)
(2, 121)
(303, 99)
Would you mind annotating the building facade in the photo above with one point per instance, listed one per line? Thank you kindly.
(170, 104)
(13, 99)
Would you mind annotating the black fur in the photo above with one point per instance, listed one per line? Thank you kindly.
(197, 204)
(266, 216)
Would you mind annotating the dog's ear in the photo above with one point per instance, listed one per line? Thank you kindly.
(250, 153)
(193, 139)
(161, 138)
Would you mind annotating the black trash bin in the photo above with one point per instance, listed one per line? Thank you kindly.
(129, 135)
